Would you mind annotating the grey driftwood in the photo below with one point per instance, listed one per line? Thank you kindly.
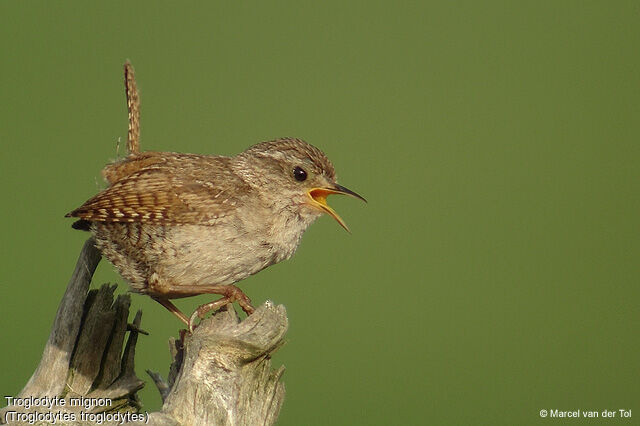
(220, 375)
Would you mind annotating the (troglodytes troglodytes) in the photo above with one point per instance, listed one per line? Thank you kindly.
(178, 225)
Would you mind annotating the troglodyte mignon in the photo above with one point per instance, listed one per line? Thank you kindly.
(178, 225)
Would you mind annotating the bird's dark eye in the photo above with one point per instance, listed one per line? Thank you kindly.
(299, 174)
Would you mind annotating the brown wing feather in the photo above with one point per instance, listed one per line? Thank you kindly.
(184, 189)
(127, 166)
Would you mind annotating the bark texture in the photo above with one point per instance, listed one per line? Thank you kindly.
(220, 375)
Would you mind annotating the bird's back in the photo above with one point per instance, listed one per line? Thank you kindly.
(163, 209)
(166, 188)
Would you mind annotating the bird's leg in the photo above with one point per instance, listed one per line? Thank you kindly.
(235, 294)
(173, 309)
(231, 294)
(205, 309)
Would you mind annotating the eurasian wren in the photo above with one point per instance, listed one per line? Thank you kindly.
(178, 225)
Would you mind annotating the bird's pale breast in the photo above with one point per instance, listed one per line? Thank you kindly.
(178, 255)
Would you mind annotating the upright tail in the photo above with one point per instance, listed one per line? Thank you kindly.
(133, 106)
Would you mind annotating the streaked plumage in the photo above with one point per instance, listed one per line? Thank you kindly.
(176, 225)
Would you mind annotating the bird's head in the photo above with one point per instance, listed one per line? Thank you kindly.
(292, 172)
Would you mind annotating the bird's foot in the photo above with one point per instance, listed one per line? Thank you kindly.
(205, 309)
(242, 299)
(231, 294)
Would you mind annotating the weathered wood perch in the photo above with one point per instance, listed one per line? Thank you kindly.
(220, 375)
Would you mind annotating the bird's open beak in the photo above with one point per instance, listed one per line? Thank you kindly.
(318, 198)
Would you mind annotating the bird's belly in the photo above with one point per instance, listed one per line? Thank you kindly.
(155, 257)
(206, 255)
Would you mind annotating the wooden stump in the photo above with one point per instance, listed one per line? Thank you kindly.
(220, 375)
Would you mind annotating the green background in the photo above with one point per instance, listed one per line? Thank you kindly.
(494, 272)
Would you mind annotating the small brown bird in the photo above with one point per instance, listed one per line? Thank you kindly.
(178, 225)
